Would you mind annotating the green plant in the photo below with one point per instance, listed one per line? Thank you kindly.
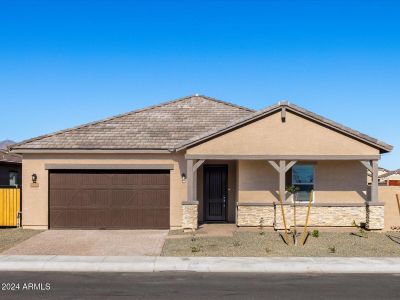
(195, 249)
(361, 230)
(332, 249)
(292, 189)
(315, 233)
(261, 225)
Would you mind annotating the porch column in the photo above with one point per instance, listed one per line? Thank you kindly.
(195, 166)
(190, 180)
(282, 168)
(282, 180)
(372, 166)
(190, 206)
(374, 183)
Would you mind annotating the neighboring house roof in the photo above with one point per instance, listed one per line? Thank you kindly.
(173, 125)
(7, 157)
(4, 144)
(297, 110)
(161, 126)
(390, 173)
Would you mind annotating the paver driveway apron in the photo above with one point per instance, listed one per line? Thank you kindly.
(93, 242)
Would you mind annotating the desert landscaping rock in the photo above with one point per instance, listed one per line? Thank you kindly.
(251, 244)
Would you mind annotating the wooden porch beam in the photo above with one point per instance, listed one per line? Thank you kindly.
(281, 157)
(198, 164)
(289, 165)
(367, 164)
(274, 165)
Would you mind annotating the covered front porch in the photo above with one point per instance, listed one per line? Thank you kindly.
(245, 190)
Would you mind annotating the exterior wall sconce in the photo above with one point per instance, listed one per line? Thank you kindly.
(183, 175)
(34, 178)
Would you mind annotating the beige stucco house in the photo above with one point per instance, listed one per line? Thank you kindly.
(390, 178)
(198, 159)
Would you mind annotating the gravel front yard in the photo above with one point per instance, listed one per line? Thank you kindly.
(12, 236)
(271, 244)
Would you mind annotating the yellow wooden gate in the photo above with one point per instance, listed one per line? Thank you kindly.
(10, 206)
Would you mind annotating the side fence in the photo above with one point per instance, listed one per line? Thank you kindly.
(10, 207)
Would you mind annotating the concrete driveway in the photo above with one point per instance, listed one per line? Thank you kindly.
(93, 242)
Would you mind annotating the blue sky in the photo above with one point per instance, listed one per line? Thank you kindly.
(67, 63)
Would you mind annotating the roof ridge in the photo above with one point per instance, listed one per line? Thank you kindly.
(224, 102)
(124, 115)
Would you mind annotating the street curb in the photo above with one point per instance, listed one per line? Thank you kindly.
(200, 264)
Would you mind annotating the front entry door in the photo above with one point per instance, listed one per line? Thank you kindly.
(215, 192)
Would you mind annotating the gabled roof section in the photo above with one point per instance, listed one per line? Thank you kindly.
(7, 157)
(158, 127)
(284, 105)
(395, 172)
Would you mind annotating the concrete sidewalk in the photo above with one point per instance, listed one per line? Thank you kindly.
(199, 264)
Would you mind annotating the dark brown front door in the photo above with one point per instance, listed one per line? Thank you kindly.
(215, 192)
(109, 200)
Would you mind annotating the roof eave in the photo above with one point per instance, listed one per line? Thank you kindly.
(99, 151)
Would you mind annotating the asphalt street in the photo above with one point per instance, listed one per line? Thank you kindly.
(185, 285)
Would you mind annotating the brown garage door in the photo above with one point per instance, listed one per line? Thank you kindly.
(109, 200)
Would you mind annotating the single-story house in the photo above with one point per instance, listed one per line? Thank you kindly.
(391, 178)
(381, 171)
(199, 159)
(10, 169)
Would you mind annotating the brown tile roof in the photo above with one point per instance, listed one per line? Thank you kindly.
(173, 125)
(296, 109)
(161, 126)
(7, 157)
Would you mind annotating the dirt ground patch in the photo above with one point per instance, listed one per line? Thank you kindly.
(270, 244)
(10, 237)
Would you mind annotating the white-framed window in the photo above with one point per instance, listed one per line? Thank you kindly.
(13, 178)
(303, 179)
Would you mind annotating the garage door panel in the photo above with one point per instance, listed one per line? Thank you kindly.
(126, 200)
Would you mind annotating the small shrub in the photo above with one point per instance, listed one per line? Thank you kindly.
(361, 230)
(267, 250)
(332, 249)
(236, 243)
(195, 249)
(315, 233)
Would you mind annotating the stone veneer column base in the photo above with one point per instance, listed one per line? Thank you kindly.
(375, 216)
(190, 215)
